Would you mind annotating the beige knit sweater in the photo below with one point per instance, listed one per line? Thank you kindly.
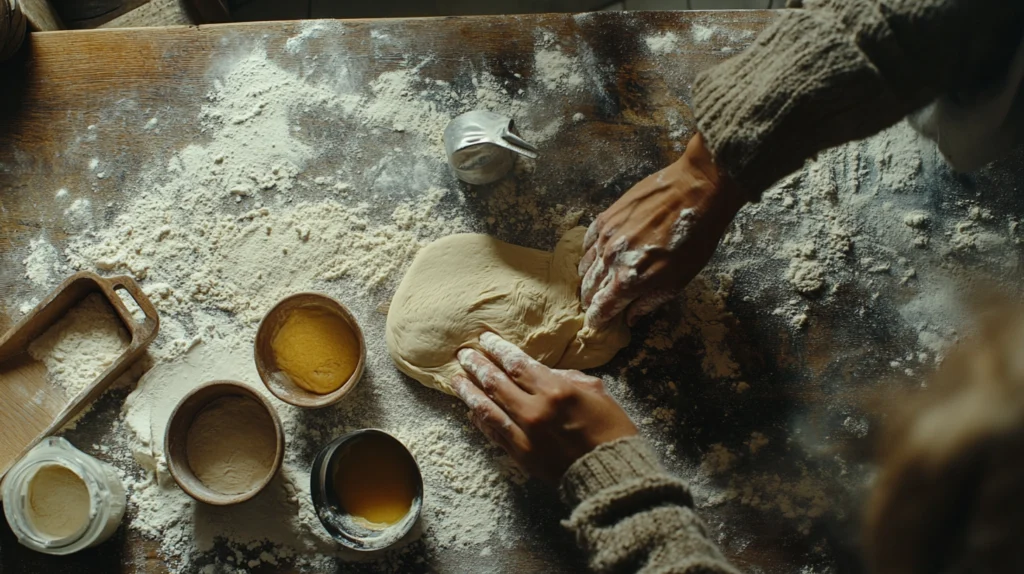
(832, 72)
(630, 515)
(840, 70)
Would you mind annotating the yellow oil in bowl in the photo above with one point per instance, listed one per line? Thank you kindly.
(367, 490)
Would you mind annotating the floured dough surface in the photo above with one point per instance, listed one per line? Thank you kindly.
(462, 285)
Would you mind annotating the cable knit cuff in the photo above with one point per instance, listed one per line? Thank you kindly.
(608, 465)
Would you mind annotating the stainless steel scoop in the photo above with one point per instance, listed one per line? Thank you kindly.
(482, 146)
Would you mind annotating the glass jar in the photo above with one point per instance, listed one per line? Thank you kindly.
(100, 480)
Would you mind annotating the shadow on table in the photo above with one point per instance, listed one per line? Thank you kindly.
(16, 74)
(16, 559)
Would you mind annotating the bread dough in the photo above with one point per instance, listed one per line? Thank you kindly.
(462, 285)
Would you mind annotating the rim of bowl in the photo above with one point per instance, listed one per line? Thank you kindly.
(298, 396)
(180, 469)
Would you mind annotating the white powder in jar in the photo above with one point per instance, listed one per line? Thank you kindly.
(58, 502)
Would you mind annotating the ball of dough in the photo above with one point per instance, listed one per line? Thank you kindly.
(462, 285)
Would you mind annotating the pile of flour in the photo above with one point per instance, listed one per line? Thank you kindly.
(80, 347)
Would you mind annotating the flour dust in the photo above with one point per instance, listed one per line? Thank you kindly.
(874, 240)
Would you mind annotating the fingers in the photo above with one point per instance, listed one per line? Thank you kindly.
(591, 236)
(494, 382)
(475, 399)
(615, 267)
(520, 367)
(608, 303)
(589, 248)
(603, 262)
(595, 278)
(646, 304)
(588, 260)
(487, 416)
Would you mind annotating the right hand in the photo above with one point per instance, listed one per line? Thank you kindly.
(544, 418)
(650, 243)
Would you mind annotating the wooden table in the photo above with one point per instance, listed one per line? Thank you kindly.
(69, 80)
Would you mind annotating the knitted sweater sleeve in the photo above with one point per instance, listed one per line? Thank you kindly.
(630, 515)
(839, 70)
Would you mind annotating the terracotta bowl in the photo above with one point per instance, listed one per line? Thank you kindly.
(176, 440)
(280, 384)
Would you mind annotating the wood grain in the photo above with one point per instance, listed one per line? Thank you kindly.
(34, 407)
(118, 79)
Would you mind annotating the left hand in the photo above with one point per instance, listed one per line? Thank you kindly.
(650, 243)
(544, 418)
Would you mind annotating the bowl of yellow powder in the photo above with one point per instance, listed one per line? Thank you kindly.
(309, 350)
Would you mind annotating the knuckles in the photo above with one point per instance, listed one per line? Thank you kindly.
(559, 394)
(537, 417)
(516, 369)
(489, 381)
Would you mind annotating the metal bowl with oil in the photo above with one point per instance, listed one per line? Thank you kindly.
(349, 530)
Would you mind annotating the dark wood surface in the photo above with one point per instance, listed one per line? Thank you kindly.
(64, 82)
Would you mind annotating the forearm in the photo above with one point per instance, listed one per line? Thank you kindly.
(841, 70)
(631, 515)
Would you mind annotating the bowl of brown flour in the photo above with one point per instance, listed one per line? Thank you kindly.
(224, 443)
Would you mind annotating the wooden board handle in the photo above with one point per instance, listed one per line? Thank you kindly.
(139, 331)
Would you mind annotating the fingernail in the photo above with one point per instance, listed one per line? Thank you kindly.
(464, 355)
(489, 337)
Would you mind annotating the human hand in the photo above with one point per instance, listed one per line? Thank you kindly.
(650, 243)
(544, 418)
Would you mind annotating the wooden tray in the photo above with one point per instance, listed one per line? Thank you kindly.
(31, 407)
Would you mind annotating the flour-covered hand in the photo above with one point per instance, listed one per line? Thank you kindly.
(650, 243)
(544, 418)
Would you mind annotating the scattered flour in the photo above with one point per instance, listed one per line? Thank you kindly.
(701, 32)
(660, 44)
(705, 320)
(310, 30)
(717, 460)
(803, 500)
(857, 426)
(223, 229)
(397, 105)
(78, 214)
(556, 71)
(43, 266)
(805, 274)
(706, 313)
(228, 225)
